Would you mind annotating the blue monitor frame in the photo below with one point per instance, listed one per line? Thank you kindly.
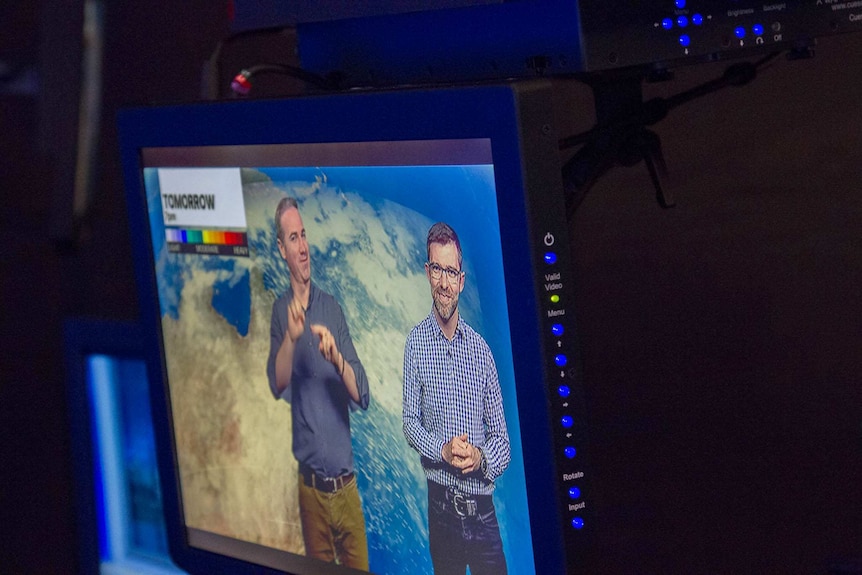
(101, 357)
(518, 123)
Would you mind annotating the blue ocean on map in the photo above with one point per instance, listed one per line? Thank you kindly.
(232, 299)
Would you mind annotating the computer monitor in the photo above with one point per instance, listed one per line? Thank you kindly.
(226, 296)
(120, 527)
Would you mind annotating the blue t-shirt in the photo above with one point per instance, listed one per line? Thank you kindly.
(320, 404)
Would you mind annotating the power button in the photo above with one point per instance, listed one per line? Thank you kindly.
(549, 239)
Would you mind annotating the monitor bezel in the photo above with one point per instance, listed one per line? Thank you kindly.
(515, 117)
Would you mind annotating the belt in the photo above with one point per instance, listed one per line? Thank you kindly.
(324, 484)
(461, 504)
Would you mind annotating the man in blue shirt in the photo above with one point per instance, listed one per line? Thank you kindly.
(453, 416)
(313, 366)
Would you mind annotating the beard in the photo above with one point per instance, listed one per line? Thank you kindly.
(445, 306)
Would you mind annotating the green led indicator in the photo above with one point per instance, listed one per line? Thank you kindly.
(555, 298)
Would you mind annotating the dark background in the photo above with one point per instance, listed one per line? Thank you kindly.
(721, 340)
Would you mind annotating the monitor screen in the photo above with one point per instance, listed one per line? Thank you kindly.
(355, 307)
(120, 524)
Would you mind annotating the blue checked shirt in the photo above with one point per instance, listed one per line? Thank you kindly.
(452, 388)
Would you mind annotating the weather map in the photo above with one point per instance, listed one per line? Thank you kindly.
(366, 229)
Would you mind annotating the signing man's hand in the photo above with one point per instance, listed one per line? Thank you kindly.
(328, 347)
(295, 319)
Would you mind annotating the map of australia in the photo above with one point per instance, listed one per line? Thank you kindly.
(238, 474)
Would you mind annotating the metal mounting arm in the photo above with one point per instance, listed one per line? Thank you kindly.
(621, 137)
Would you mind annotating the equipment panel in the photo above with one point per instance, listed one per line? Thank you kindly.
(618, 35)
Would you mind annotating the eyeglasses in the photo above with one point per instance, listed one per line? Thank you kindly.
(437, 272)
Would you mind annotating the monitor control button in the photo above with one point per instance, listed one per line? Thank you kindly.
(549, 239)
(578, 523)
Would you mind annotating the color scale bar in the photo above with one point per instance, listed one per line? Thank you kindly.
(205, 237)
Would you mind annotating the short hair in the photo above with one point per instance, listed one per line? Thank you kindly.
(285, 204)
(442, 233)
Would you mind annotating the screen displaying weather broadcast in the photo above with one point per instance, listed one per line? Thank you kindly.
(315, 260)
(358, 313)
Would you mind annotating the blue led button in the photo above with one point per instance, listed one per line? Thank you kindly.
(564, 391)
(557, 329)
(567, 421)
(680, 4)
(570, 452)
(739, 31)
(757, 29)
(685, 41)
(561, 360)
(578, 523)
(667, 23)
(697, 19)
(574, 492)
(682, 21)
(550, 258)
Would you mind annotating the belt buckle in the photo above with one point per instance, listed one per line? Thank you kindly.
(463, 506)
(332, 484)
(327, 484)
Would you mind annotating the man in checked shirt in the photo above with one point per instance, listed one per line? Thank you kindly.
(453, 416)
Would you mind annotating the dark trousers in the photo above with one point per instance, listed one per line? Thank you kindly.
(461, 540)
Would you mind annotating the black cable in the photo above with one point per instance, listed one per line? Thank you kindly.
(622, 137)
(736, 75)
(211, 84)
(656, 109)
(241, 84)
